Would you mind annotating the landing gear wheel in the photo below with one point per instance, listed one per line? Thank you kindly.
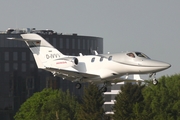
(78, 85)
(154, 81)
(104, 89)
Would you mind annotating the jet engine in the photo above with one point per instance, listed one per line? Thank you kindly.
(74, 60)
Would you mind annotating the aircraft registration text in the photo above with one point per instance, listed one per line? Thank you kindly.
(50, 56)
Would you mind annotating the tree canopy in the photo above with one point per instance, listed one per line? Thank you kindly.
(157, 102)
(134, 102)
(92, 102)
(163, 100)
(129, 95)
(49, 105)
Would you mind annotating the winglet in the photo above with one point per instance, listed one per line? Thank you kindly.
(80, 54)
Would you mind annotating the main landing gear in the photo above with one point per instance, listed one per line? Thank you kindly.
(154, 80)
(78, 85)
(104, 87)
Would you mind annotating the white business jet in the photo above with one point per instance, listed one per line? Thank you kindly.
(98, 68)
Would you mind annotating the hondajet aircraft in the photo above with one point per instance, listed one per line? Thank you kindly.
(98, 68)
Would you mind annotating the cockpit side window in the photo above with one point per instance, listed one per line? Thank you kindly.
(141, 55)
(131, 55)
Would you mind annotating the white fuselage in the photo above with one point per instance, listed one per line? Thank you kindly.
(109, 65)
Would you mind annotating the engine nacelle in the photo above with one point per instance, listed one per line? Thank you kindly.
(65, 62)
(75, 61)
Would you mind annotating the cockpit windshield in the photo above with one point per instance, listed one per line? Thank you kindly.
(139, 54)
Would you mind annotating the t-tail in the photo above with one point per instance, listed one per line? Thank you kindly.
(43, 51)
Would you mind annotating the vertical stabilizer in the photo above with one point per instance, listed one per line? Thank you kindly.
(43, 51)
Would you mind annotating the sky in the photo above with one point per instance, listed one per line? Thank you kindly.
(151, 27)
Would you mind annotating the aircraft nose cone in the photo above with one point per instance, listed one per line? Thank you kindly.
(156, 66)
(162, 65)
(165, 65)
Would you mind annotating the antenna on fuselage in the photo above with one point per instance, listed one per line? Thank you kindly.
(96, 53)
(80, 54)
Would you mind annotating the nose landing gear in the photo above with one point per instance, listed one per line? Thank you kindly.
(154, 80)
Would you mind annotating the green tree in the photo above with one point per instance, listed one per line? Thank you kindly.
(92, 102)
(162, 101)
(49, 105)
(126, 106)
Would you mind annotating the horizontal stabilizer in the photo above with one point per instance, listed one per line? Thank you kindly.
(21, 39)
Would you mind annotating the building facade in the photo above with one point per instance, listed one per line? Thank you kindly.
(20, 77)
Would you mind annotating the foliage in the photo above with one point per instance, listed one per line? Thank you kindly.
(162, 101)
(126, 106)
(157, 102)
(92, 102)
(49, 105)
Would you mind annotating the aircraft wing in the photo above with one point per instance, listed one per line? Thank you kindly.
(73, 75)
(136, 78)
(85, 77)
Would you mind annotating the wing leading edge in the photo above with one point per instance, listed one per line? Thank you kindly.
(74, 75)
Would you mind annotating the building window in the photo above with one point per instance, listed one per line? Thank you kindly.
(51, 82)
(91, 44)
(15, 56)
(47, 39)
(15, 66)
(32, 65)
(23, 56)
(30, 83)
(84, 44)
(67, 43)
(107, 98)
(73, 43)
(88, 45)
(54, 42)
(23, 67)
(2, 41)
(6, 56)
(6, 67)
(61, 43)
(79, 44)
(31, 57)
(115, 87)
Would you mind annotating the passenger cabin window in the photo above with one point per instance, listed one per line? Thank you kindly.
(131, 55)
(93, 59)
(101, 59)
(141, 55)
(110, 58)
